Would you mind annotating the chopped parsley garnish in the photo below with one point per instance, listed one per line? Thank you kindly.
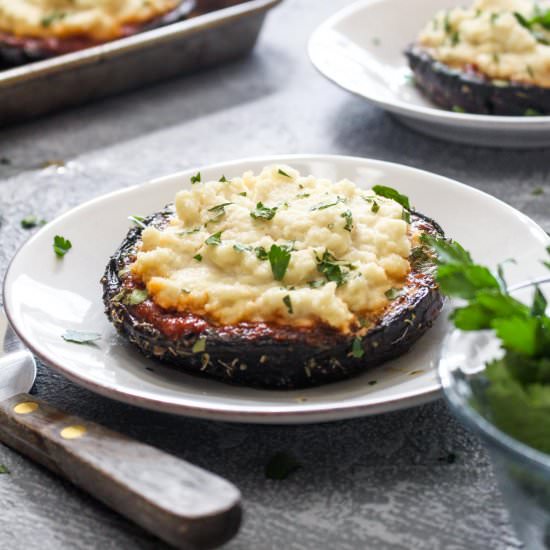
(390, 193)
(50, 19)
(185, 291)
(200, 345)
(329, 266)
(196, 178)
(261, 253)
(281, 465)
(447, 24)
(393, 293)
(357, 350)
(79, 337)
(198, 257)
(348, 226)
(530, 71)
(537, 191)
(138, 220)
(531, 112)
(406, 216)
(494, 17)
(223, 179)
(374, 207)
(3, 469)
(288, 304)
(420, 260)
(316, 284)
(279, 258)
(541, 19)
(263, 212)
(241, 247)
(283, 173)
(189, 231)
(323, 206)
(219, 207)
(136, 297)
(458, 109)
(455, 38)
(303, 196)
(29, 222)
(243, 194)
(215, 239)
(61, 245)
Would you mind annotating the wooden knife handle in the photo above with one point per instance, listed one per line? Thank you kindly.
(182, 504)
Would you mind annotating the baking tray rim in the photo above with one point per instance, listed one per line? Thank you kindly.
(188, 27)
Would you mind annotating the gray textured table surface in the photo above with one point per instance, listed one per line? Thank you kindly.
(383, 482)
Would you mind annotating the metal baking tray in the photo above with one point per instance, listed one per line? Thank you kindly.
(196, 43)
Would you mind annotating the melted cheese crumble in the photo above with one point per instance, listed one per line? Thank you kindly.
(100, 20)
(207, 259)
(490, 37)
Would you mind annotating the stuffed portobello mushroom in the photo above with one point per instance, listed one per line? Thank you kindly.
(490, 58)
(275, 280)
(37, 29)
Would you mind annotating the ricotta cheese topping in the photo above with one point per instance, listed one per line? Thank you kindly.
(503, 39)
(277, 247)
(100, 20)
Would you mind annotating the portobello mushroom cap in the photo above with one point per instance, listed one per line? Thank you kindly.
(470, 91)
(268, 355)
(17, 50)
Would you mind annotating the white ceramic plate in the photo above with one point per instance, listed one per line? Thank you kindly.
(361, 49)
(45, 296)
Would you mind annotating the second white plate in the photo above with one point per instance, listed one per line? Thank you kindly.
(44, 296)
(361, 49)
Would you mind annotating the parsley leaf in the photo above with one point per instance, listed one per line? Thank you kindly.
(347, 215)
(261, 253)
(196, 178)
(138, 220)
(200, 345)
(393, 293)
(136, 297)
(279, 258)
(323, 206)
(61, 245)
(79, 337)
(263, 212)
(288, 304)
(283, 173)
(29, 222)
(329, 266)
(241, 247)
(357, 350)
(390, 193)
(3, 469)
(219, 207)
(215, 239)
(50, 19)
(198, 257)
(223, 179)
(281, 465)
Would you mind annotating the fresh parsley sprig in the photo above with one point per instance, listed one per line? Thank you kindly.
(523, 330)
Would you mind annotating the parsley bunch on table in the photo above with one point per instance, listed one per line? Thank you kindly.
(518, 393)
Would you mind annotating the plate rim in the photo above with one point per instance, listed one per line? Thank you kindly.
(315, 413)
(419, 112)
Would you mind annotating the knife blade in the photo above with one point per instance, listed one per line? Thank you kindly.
(182, 504)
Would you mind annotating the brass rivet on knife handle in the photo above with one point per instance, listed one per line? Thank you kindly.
(26, 407)
(73, 432)
(182, 504)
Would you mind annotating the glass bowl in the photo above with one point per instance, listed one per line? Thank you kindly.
(523, 473)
